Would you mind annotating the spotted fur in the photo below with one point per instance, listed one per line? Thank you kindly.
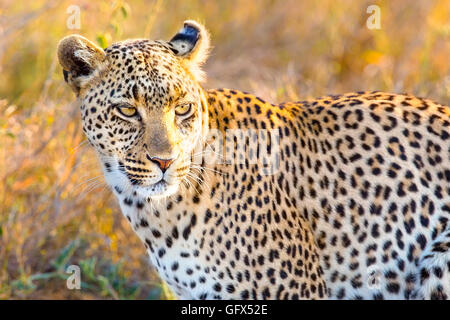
(359, 207)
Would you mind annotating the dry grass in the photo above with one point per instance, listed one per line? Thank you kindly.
(54, 207)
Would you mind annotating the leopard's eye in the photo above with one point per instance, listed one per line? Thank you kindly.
(183, 109)
(127, 111)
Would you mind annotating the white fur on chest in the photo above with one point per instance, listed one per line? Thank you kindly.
(176, 264)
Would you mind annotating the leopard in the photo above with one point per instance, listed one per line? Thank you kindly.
(340, 197)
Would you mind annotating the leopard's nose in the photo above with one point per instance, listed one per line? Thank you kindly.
(164, 164)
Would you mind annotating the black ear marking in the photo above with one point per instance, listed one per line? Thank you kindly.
(81, 67)
(66, 75)
(191, 46)
(185, 40)
(79, 58)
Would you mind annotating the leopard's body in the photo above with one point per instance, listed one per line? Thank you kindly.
(355, 205)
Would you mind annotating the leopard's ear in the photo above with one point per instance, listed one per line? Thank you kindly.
(81, 61)
(192, 45)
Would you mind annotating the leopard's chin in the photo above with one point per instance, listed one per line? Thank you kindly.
(158, 190)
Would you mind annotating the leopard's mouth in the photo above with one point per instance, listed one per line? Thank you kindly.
(121, 182)
(159, 189)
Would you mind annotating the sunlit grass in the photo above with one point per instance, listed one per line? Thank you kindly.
(54, 207)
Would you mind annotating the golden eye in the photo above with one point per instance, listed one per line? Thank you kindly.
(127, 111)
(183, 109)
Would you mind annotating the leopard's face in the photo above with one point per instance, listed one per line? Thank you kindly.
(144, 118)
(142, 108)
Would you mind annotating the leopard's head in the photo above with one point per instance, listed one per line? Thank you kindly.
(142, 106)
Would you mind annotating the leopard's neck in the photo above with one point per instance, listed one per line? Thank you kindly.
(190, 232)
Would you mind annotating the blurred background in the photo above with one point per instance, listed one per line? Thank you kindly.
(55, 209)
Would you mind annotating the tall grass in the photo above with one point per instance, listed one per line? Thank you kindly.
(54, 207)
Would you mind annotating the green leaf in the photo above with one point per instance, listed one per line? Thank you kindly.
(44, 276)
(124, 9)
(65, 254)
(155, 293)
(11, 135)
(88, 268)
(102, 41)
(115, 27)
